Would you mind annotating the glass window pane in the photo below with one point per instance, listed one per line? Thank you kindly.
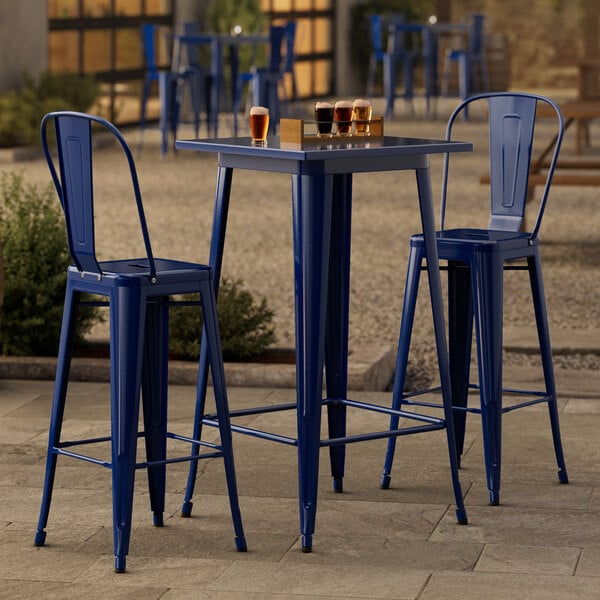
(157, 7)
(63, 46)
(323, 4)
(129, 51)
(97, 8)
(63, 9)
(322, 77)
(96, 50)
(303, 4)
(322, 40)
(128, 8)
(304, 42)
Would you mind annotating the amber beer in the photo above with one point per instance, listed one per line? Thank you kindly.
(324, 118)
(342, 112)
(361, 115)
(259, 124)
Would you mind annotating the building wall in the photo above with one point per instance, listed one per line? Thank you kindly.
(543, 38)
(23, 40)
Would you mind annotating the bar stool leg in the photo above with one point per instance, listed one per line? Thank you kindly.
(127, 316)
(541, 319)
(411, 289)
(460, 332)
(154, 403)
(487, 302)
(63, 366)
(210, 326)
(219, 228)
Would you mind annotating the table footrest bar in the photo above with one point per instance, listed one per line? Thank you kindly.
(258, 410)
(363, 437)
(84, 457)
(178, 459)
(265, 435)
(385, 410)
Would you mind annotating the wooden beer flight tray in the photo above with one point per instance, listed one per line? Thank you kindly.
(292, 131)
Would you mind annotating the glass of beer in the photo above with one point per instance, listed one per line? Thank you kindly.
(342, 112)
(361, 115)
(324, 118)
(259, 125)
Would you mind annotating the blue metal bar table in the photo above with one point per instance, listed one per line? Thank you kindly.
(321, 214)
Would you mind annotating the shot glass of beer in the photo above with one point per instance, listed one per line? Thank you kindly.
(259, 125)
(361, 115)
(342, 112)
(324, 118)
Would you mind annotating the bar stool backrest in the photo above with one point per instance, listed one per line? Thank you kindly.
(74, 183)
(511, 117)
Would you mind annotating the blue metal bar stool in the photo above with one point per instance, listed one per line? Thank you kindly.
(137, 292)
(400, 53)
(476, 261)
(168, 87)
(265, 81)
(472, 66)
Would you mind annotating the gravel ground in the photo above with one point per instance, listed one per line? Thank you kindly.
(178, 194)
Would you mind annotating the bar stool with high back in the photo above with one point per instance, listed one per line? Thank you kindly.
(266, 81)
(137, 292)
(476, 261)
(471, 62)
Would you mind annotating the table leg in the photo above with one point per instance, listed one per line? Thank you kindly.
(217, 242)
(338, 305)
(437, 307)
(311, 200)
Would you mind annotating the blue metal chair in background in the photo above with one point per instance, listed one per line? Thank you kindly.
(376, 24)
(196, 76)
(168, 84)
(138, 293)
(472, 66)
(265, 82)
(477, 259)
(409, 44)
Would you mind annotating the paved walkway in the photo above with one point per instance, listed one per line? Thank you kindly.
(542, 542)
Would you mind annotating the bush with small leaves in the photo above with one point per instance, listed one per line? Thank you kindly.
(36, 257)
(246, 327)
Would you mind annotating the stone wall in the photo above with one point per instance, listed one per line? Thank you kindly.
(23, 40)
(543, 38)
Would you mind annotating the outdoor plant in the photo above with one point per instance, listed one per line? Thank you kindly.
(35, 257)
(224, 15)
(245, 326)
(21, 111)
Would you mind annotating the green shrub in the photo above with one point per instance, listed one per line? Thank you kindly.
(35, 260)
(245, 327)
(21, 111)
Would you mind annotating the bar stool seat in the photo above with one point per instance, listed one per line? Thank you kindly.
(138, 293)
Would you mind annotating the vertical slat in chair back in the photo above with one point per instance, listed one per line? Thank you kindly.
(75, 188)
(512, 121)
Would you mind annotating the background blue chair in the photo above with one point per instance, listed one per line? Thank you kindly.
(409, 44)
(137, 292)
(376, 24)
(471, 62)
(196, 76)
(167, 82)
(265, 82)
(476, 261)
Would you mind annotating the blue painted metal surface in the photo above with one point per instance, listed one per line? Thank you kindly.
(137, 292)
(321, 208)
(476, 261)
